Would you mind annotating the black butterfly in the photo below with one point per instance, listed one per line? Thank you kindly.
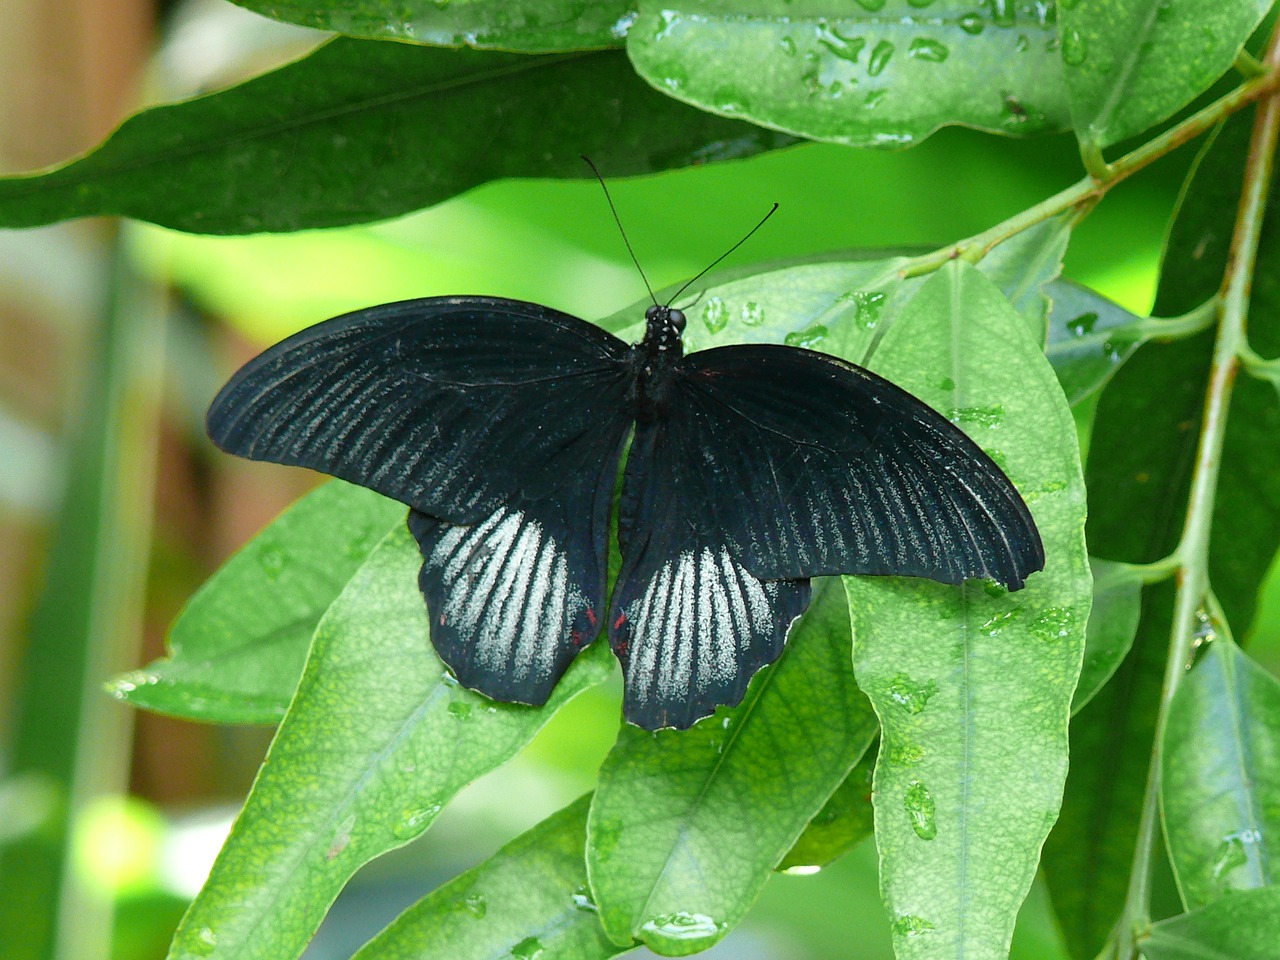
(751, 469)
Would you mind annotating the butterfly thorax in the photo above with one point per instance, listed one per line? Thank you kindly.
(653, 361)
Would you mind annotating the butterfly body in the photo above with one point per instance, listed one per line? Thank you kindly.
(751, 469)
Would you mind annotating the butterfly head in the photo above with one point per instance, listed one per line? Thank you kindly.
(663, 327)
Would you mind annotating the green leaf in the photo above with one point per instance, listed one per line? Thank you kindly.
(687, 826)
(1141, 453)
(360, 130)
(1026, 266)
(1132, 63)
(1089, 338)
(519, 26)
(378, 739)
(529, 900)
(1243, 926)
(1113, 621)
(1220, 783)
(882, 73)
(844, 821)
(973, 684)
(836, 307)
(237, 649)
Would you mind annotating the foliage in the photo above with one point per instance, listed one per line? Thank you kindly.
(317, 623)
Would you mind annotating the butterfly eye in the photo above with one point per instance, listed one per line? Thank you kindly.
(677, 320)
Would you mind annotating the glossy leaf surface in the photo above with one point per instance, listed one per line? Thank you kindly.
(872, 74)
(1220, 784)
(360, 131)
(687, 826)
(973, 685)
(1131, 63)
(520, 26)
(237, 649)
(379, 738)
(529, 900)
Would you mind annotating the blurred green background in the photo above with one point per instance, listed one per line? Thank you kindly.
(114, 507)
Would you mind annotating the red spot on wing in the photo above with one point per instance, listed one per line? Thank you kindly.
(442, 619)
(575, 637)
(623, 647)
(591, 615)
(617, 624)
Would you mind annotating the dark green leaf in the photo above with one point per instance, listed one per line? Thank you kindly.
(876, 74)
(844, 821)
(1089, 338)
(1141, 454)
(687, 826)
(1113, 621)
(236, 650)
(520, 26)
(1132, 63)
(1243, 926)
(1220, 783)
(378, 739)
(529, 901)
(973, 684)
(361, 130)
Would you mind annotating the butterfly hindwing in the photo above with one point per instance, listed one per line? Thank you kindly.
(810, 466)
(688, 622)
(453, 405)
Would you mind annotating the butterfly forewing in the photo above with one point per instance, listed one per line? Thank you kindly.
(809, 466)
(688, 622)
(453, 405)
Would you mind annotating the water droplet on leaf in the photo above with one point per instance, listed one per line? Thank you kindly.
(981, 416)
(972, 23)
(476, 905)
(460, 709)
(530, 948)
(905, 925)
(273, 561)
(810, 338)
(928, 50)
(715, 314)
(685, 932)
(1074, 51)
(880, 56)
(918, 802)
(752, 314)
(909, 694)
(1083, 324)
(413, 822)
(582, 900)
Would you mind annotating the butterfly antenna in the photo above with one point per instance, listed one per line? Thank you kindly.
(772, 211)
(618, 221)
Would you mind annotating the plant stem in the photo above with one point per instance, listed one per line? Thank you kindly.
(1090, 189)
(1193, 548)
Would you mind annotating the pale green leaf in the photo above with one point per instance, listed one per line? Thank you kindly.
(529, 901)
(1220, 780)
(1242, 926)
(236, 650)
(1131, 63)
(378, 739)
(1113, 622)
(687, 826)
(521, 26)
(881, 73)
(973, 684)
